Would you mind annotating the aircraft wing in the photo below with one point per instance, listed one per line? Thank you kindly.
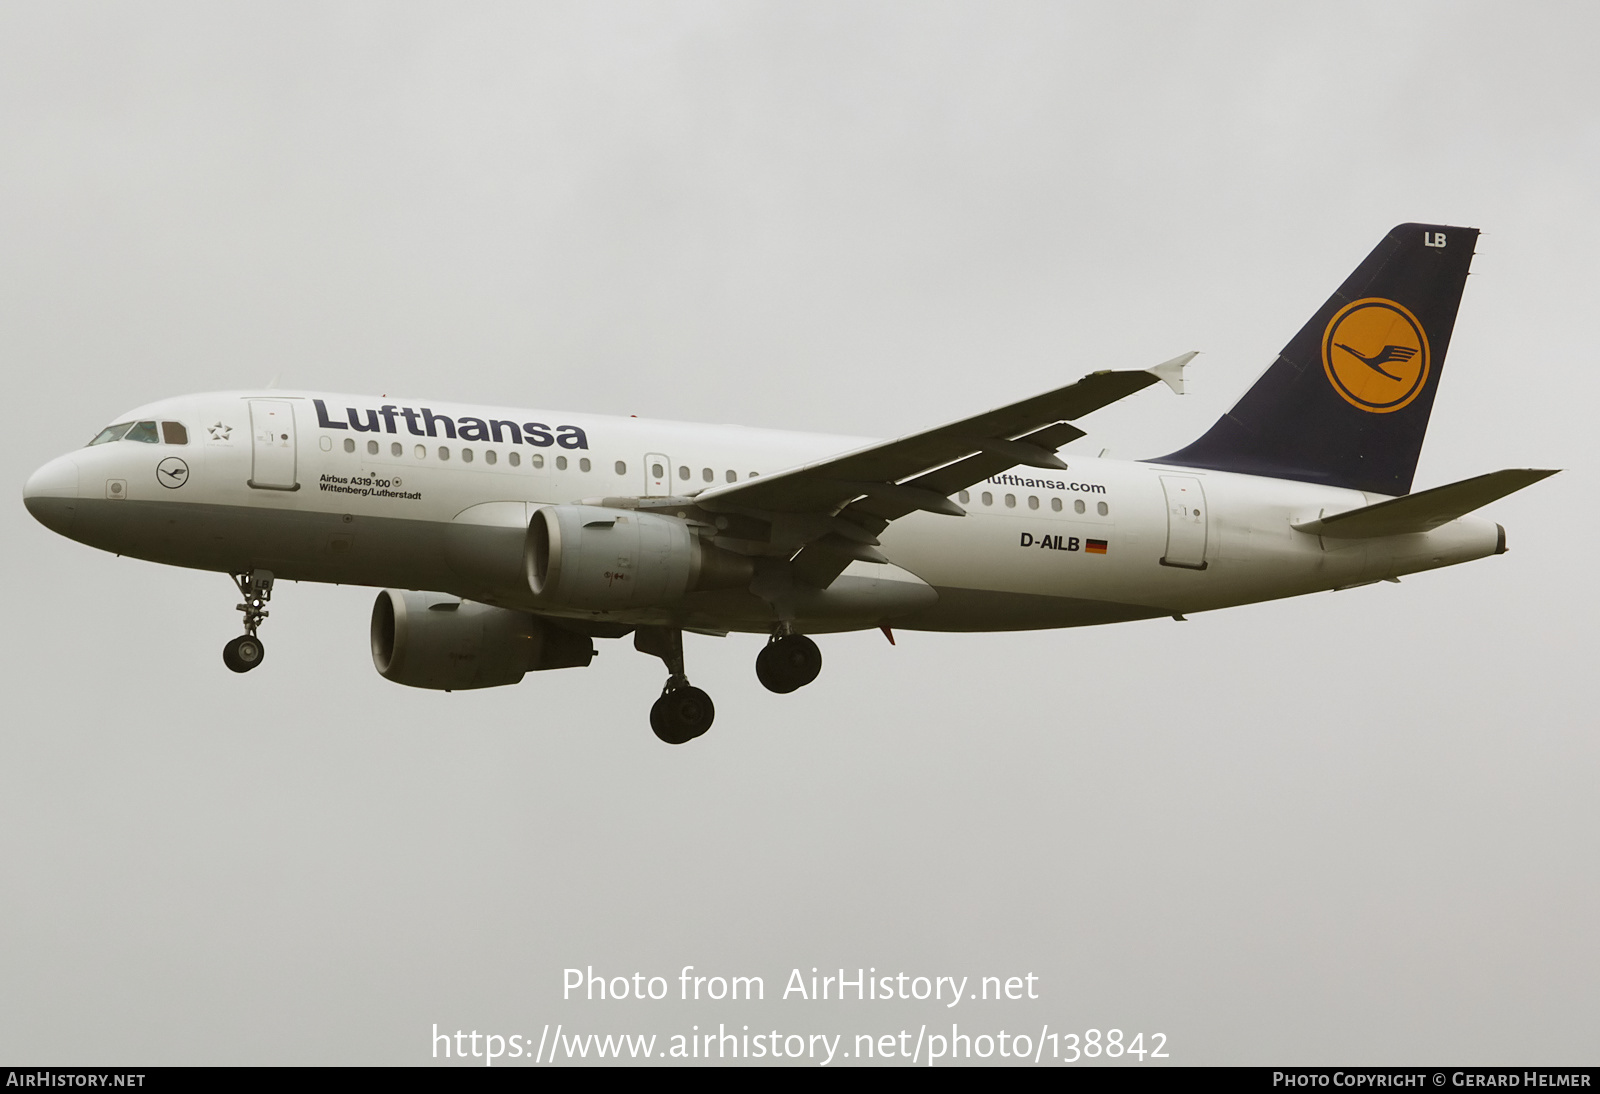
(858, 493)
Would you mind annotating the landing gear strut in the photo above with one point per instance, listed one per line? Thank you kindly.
(245, 652)
(788, 662)
(683, 712)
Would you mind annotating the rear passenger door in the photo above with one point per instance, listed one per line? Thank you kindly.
(1186, 522)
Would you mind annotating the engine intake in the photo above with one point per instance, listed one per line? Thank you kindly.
(441, 642)
(585, 556)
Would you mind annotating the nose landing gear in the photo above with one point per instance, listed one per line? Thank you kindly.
(683, 712)
(246, 652)
(788, 663)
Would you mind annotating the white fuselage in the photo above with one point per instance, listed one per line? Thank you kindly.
(357, 490)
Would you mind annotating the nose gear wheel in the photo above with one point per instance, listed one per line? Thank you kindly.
(243, 653)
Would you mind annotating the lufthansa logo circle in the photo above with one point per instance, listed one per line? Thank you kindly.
(1376, 355)
(172, 472)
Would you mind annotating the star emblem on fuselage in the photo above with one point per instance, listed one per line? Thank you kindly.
(219, 432)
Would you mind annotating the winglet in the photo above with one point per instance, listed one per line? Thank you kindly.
(1171, 372)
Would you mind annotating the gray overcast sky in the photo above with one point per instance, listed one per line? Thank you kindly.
(1351, 827)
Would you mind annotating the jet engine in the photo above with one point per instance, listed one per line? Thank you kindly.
(432, 640)
(585, 556)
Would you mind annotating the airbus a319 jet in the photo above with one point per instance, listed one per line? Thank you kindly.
(507, 541)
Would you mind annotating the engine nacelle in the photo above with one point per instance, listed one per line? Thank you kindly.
(433, 640)
(585, 556)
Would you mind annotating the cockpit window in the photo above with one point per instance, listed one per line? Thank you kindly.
(145, 432)
(174, 433)
(112, 433)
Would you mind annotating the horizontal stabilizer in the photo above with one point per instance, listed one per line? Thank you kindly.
(1425, 511)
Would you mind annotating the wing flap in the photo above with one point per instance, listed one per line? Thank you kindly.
(1425, 511)
(970, 471)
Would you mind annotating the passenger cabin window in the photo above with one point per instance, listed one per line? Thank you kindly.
(144, 432)
(538, 460)
(111, 433)
(349, 444)
(622, 468)
(988, 498)
(174, 433)
(395, 449)
(707, 474)
(466, 455)
(732, 476)
(490, 456)
(516, 459)
(1077, 506)
(683, 473)
(1055, 504)
(584, 464)
(964, 497)
(561, 463)
(1102, 508)
(372, 448)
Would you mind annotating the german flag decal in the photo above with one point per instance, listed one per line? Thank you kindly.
(1094, 546)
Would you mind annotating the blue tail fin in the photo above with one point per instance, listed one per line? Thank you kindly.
(1347, 401)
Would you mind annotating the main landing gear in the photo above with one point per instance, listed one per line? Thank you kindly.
(788, 662)
(245, 652)
(683, 712)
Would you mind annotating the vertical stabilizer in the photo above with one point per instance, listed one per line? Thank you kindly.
(1347, 401)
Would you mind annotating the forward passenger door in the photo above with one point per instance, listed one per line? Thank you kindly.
(272, 440)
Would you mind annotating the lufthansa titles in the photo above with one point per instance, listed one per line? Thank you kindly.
(425, 423)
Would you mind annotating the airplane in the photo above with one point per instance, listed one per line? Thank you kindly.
(508, 541)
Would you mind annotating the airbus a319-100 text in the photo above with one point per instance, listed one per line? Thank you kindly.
(538, 532)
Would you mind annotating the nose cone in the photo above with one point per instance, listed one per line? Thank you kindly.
(51, 494)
